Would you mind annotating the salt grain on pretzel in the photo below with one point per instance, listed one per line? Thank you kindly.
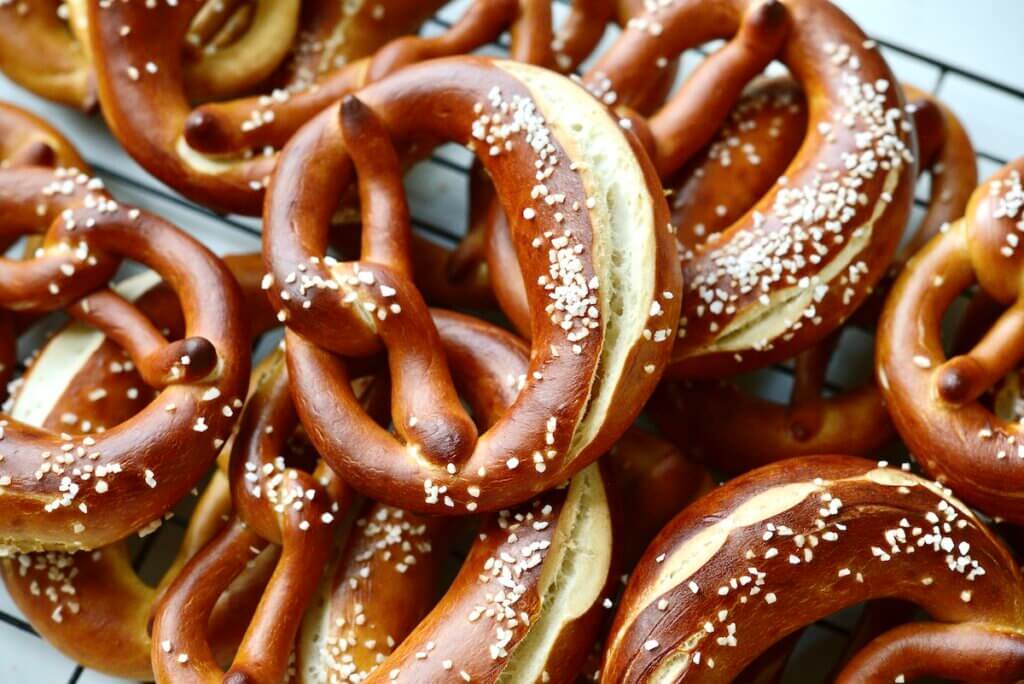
(603, 300)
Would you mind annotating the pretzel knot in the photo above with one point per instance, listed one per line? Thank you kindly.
(934, 401)
(56, 487)
(790, 270)
(594, 245)
(792, 542)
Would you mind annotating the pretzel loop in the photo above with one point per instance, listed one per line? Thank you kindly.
(59, 202)
(956, 652)
(566, 244)
(56, 486)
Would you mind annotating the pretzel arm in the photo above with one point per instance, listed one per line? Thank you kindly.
(581, 31)
(386, 231)
(160, 362)
(954, 652)
(692, 116)
(964, 378)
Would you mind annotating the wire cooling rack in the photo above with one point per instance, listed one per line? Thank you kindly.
(974, 77)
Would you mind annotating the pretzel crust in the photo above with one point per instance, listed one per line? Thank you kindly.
(787, 544)
(39, 52)
(608, 358)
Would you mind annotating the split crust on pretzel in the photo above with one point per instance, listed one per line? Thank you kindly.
(58, 489)
(81, 382)
(792, 542)
(738, 431)
(793, 268)
(598, 249)
(934, 400)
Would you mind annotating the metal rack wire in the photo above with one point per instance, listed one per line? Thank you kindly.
(445, 168)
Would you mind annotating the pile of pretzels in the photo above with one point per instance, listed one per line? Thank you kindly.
(539, 456)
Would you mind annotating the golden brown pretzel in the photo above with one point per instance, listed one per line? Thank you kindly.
(934, 401)
(27, 140)
(231, 47)
(81, 383)
(783, 276)
(734, 429)
(56, 488)
(274, 503)
(792, 542)
(562, 418)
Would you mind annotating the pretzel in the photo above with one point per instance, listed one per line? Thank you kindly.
(55, 485)
(792, 542)
(27, 140)
(933, 401)
(734, 429)
(81, 382)
(530, 590)
(782, 277)
(561, 421)
(274, 503)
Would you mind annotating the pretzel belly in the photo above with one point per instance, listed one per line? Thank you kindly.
(790, 543)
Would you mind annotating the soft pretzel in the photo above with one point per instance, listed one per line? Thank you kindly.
(56, 486)
(274, 503)
(794, 267)
(934, 400)
(82, 383)
(792, 542)
(734, 429)
(27, 140)
(231, 47)
(597, 247)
